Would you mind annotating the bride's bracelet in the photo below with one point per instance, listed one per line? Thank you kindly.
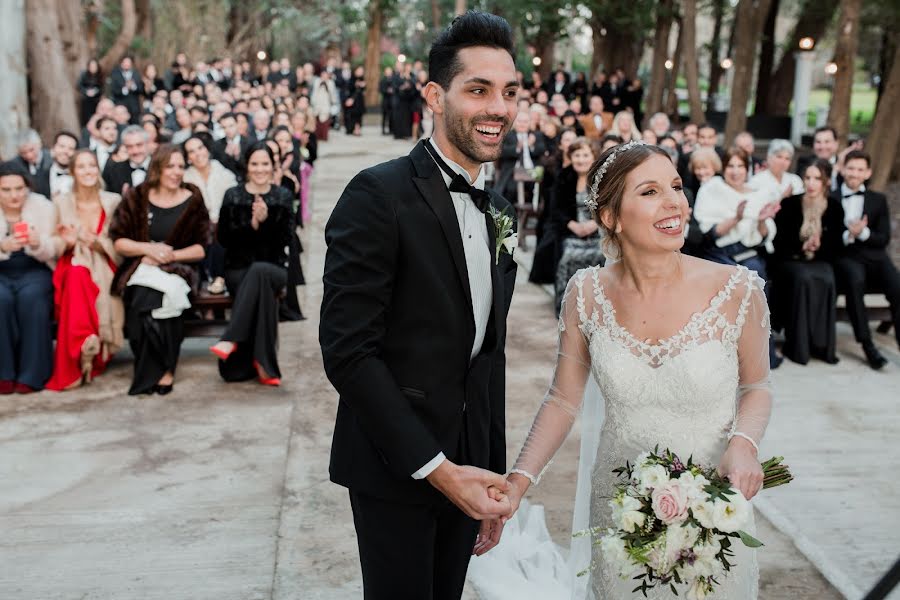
(739, 434)
(526, 475)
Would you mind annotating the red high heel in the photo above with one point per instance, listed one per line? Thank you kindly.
(275, 381)
(221, 354)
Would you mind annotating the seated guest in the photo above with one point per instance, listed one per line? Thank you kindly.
(161, 228)
(90, 319)
(291, 161)
(522, 149)
(704, 165)
(776, 177)
(660, 125)
(623, 125)
(744, 140)
(230, 149)
(255, 227)
(809, 237)
(104, 145)
(27, 254)
(57, 179)
(214, 180)
(864, 264)
(597, 122)
(133, 171)
(609, 141)
(740, 218)
(577, 231)
(31, 155)
(306, 139)
(825, 147)
(570, 120)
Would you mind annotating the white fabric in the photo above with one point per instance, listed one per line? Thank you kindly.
(687, 392)
(789, 181)
(213, 189)
(853, 211)
(60, 180)
(526, 151)
(39, 213)
(175, 290)
(138, 175)
(717, 201)
(476, 246)
(102, 151)
(430, 466)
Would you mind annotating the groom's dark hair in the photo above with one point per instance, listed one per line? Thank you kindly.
(474, 28)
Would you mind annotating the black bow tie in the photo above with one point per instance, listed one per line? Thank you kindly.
(59, 172)
(138, 168)
(851, 194)
(459, 184)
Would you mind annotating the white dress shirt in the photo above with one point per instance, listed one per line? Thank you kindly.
(765, 180)
(853, 211)
(139, 173)
(527, 162)
(476, 246)
(102, 151)
(60, 180)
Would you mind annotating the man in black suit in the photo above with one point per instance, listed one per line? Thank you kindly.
(386, 89)
(825, 146)
(31, 155)
(131, 172)
(521, 148)
(57, 178)
(259, 130)
(230, 149)
(413, 328)
(127, 87)
(865, 265)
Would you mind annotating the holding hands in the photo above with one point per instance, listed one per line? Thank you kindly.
(158, 254)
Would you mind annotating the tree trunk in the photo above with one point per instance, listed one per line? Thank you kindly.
(93, 26)
(14, 91)
(53, 105)
(545, 48)
(671, 104)
(373, 52)
(844, 58)
(750, 17)
(71, 35)
(436, 15)
(144, 20)
(882, 144)
(688, 35)
(460, 7)
(658, 73)
(715, 59)
(123, 41)
(814, 19)
(766, 61)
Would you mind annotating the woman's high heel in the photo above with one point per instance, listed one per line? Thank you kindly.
(221, 353)
(274, 381)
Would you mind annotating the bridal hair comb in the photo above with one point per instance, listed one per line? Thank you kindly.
(591, 202)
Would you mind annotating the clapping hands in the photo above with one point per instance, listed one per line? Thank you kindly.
(856, 227)
(259, 212)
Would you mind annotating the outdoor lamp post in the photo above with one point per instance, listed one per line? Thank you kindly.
(805, 58)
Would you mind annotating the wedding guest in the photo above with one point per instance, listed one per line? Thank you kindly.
(355, 102)
(570, 120)
(255, 228)
(104, 145)
(825, 147)
(27, 258)
(151, 81)
(90, 90)
(660, 125)
(608, 141)
(90, 319)
(323, 100)
(522, 148)
(598, 121)
(703, 165)
(133, 171)
(213, 180)
(289, 153)
(577, 231)
(744, 140)
(161, 228)
(127, 87)
(386, 89)
(31, 156)
(776, 176)
(306, 139)
(864, 264)
(57, 179)
(404, 98)
(810, 225)
(633, 99)
(154, 138)
(230, 149)
(262, 120)
(649, 136)
(708, 137)
(623, 125)
(580, 88)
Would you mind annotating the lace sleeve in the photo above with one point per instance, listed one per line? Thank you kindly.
(754, 396)
(562, 402)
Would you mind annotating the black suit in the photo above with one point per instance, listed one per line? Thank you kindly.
(235, 165)
(397, 330)
(510, 156)
(43, 163)
(864, 266)
(42, 182)
(116, 175)
(124, 94)
(806, 160)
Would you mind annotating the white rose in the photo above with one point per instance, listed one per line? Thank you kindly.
(698, 590)
(693, 484)
(731, 515)
(511, 242)
(613, 549)
(632, 520)
(652, 476)
(705, 562)
(703, 511)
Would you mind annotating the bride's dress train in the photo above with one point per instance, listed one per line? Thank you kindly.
(686, 393)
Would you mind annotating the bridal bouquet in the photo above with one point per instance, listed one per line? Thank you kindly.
(675, 522)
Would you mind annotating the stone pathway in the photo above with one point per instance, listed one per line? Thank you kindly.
(221, 491)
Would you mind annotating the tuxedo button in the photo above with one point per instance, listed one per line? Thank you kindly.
(464, 407)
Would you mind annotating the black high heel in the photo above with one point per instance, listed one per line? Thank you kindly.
(163, 390)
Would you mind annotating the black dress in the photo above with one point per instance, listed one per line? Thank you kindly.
(155, 343)
(255, 272)
(90, 89)
(804, 290)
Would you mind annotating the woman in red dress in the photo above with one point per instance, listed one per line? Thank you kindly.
(90, 319)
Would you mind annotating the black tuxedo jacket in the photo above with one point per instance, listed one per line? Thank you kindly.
(116, 175)
(234, 165)
(875, 207)
(808, 159)
(132, 100)
(510, 155)
(42, 182)
(397, 329)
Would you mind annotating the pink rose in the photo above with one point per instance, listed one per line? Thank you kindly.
(670, 502)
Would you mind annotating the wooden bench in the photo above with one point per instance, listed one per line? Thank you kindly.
(196, 325)
(528, 211)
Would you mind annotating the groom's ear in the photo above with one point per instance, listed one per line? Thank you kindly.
(434, 97)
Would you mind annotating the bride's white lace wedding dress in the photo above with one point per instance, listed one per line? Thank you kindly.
(687, 393)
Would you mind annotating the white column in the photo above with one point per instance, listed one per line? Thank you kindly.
(802, 88)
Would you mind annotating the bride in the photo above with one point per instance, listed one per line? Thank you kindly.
(677, 345)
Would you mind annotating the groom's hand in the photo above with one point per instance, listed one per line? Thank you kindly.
(488, 536)
(468, 488)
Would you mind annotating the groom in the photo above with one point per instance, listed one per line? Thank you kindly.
(413, 328)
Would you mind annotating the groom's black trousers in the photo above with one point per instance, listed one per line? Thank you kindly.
(412, 551)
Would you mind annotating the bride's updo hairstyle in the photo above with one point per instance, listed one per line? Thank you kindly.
(607, 186)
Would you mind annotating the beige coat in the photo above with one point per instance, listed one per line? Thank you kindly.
(110, 312)
(37, 211)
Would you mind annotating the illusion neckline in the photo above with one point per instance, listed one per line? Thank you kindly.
(723, 294)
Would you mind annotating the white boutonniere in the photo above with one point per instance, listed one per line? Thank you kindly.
(504, 233)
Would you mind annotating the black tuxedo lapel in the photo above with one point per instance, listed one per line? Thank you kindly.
(431, 185)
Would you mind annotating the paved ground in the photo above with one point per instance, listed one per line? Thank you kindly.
(220, 491)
